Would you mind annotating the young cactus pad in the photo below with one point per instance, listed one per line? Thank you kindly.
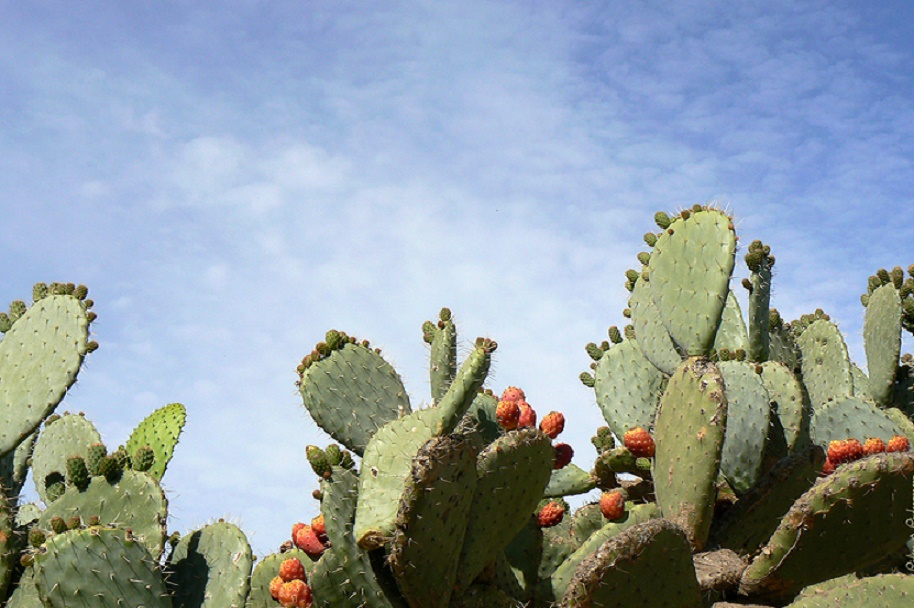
(160, 430)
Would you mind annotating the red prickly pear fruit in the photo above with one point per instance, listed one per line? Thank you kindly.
(512, 393)
(639, 442)
(854, 449)
(291, 570)
(295, 594)
(317, 524)
(612, 505)
(308, 541)
(873, 445)
(828, 468)
(527, 415)
(836, 452)
(550, 515)
(898, 443)
(553, 423)
(296, 528)
(508, 414)
(848, 450)
(563, 455)
(275, 585)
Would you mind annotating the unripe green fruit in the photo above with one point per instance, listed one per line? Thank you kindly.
(37, 537)
(77, 472)
(58, 525)
(143, 458)
(94, 456)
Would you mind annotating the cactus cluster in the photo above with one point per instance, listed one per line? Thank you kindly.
(745, 461)
(97, 535)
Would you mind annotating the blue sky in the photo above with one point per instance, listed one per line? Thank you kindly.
(233, 179)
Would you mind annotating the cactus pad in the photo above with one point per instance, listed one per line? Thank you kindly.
(98, 568)
(432, 521)
(628, 388)
(830, 530)
(882, 341)
(748, 414)
(623, 572)
(689, 433)
(825, 363)
(211, 568)
(39, 359)
(160, 431)
(352, 393)
(652, 337)
(135, 501)
(512, 474)
(689, 275)
(69, 435)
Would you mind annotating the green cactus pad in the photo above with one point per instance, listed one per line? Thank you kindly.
(882, 341)
(851, 418)
(689, 433)
(352, 393)
(388, 457)
(69, 435)
(624, 571)
(512, 473)
(443, 357)
(98, 568)
(160, 431)
(825, 364)
(732, 333)
(385, 467)
(570, 480)
(689, 278)
(265, 571)
(39, 359)
(748, 415)
(462, 392)
(759, 312)
(432, 521)
(558, 583)
(882, 591)
(749, 523)
(211, 568)
(831, 530)
(343, 577)
(628, 388)
(135, 501)
(652, 337)
(790, 408)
